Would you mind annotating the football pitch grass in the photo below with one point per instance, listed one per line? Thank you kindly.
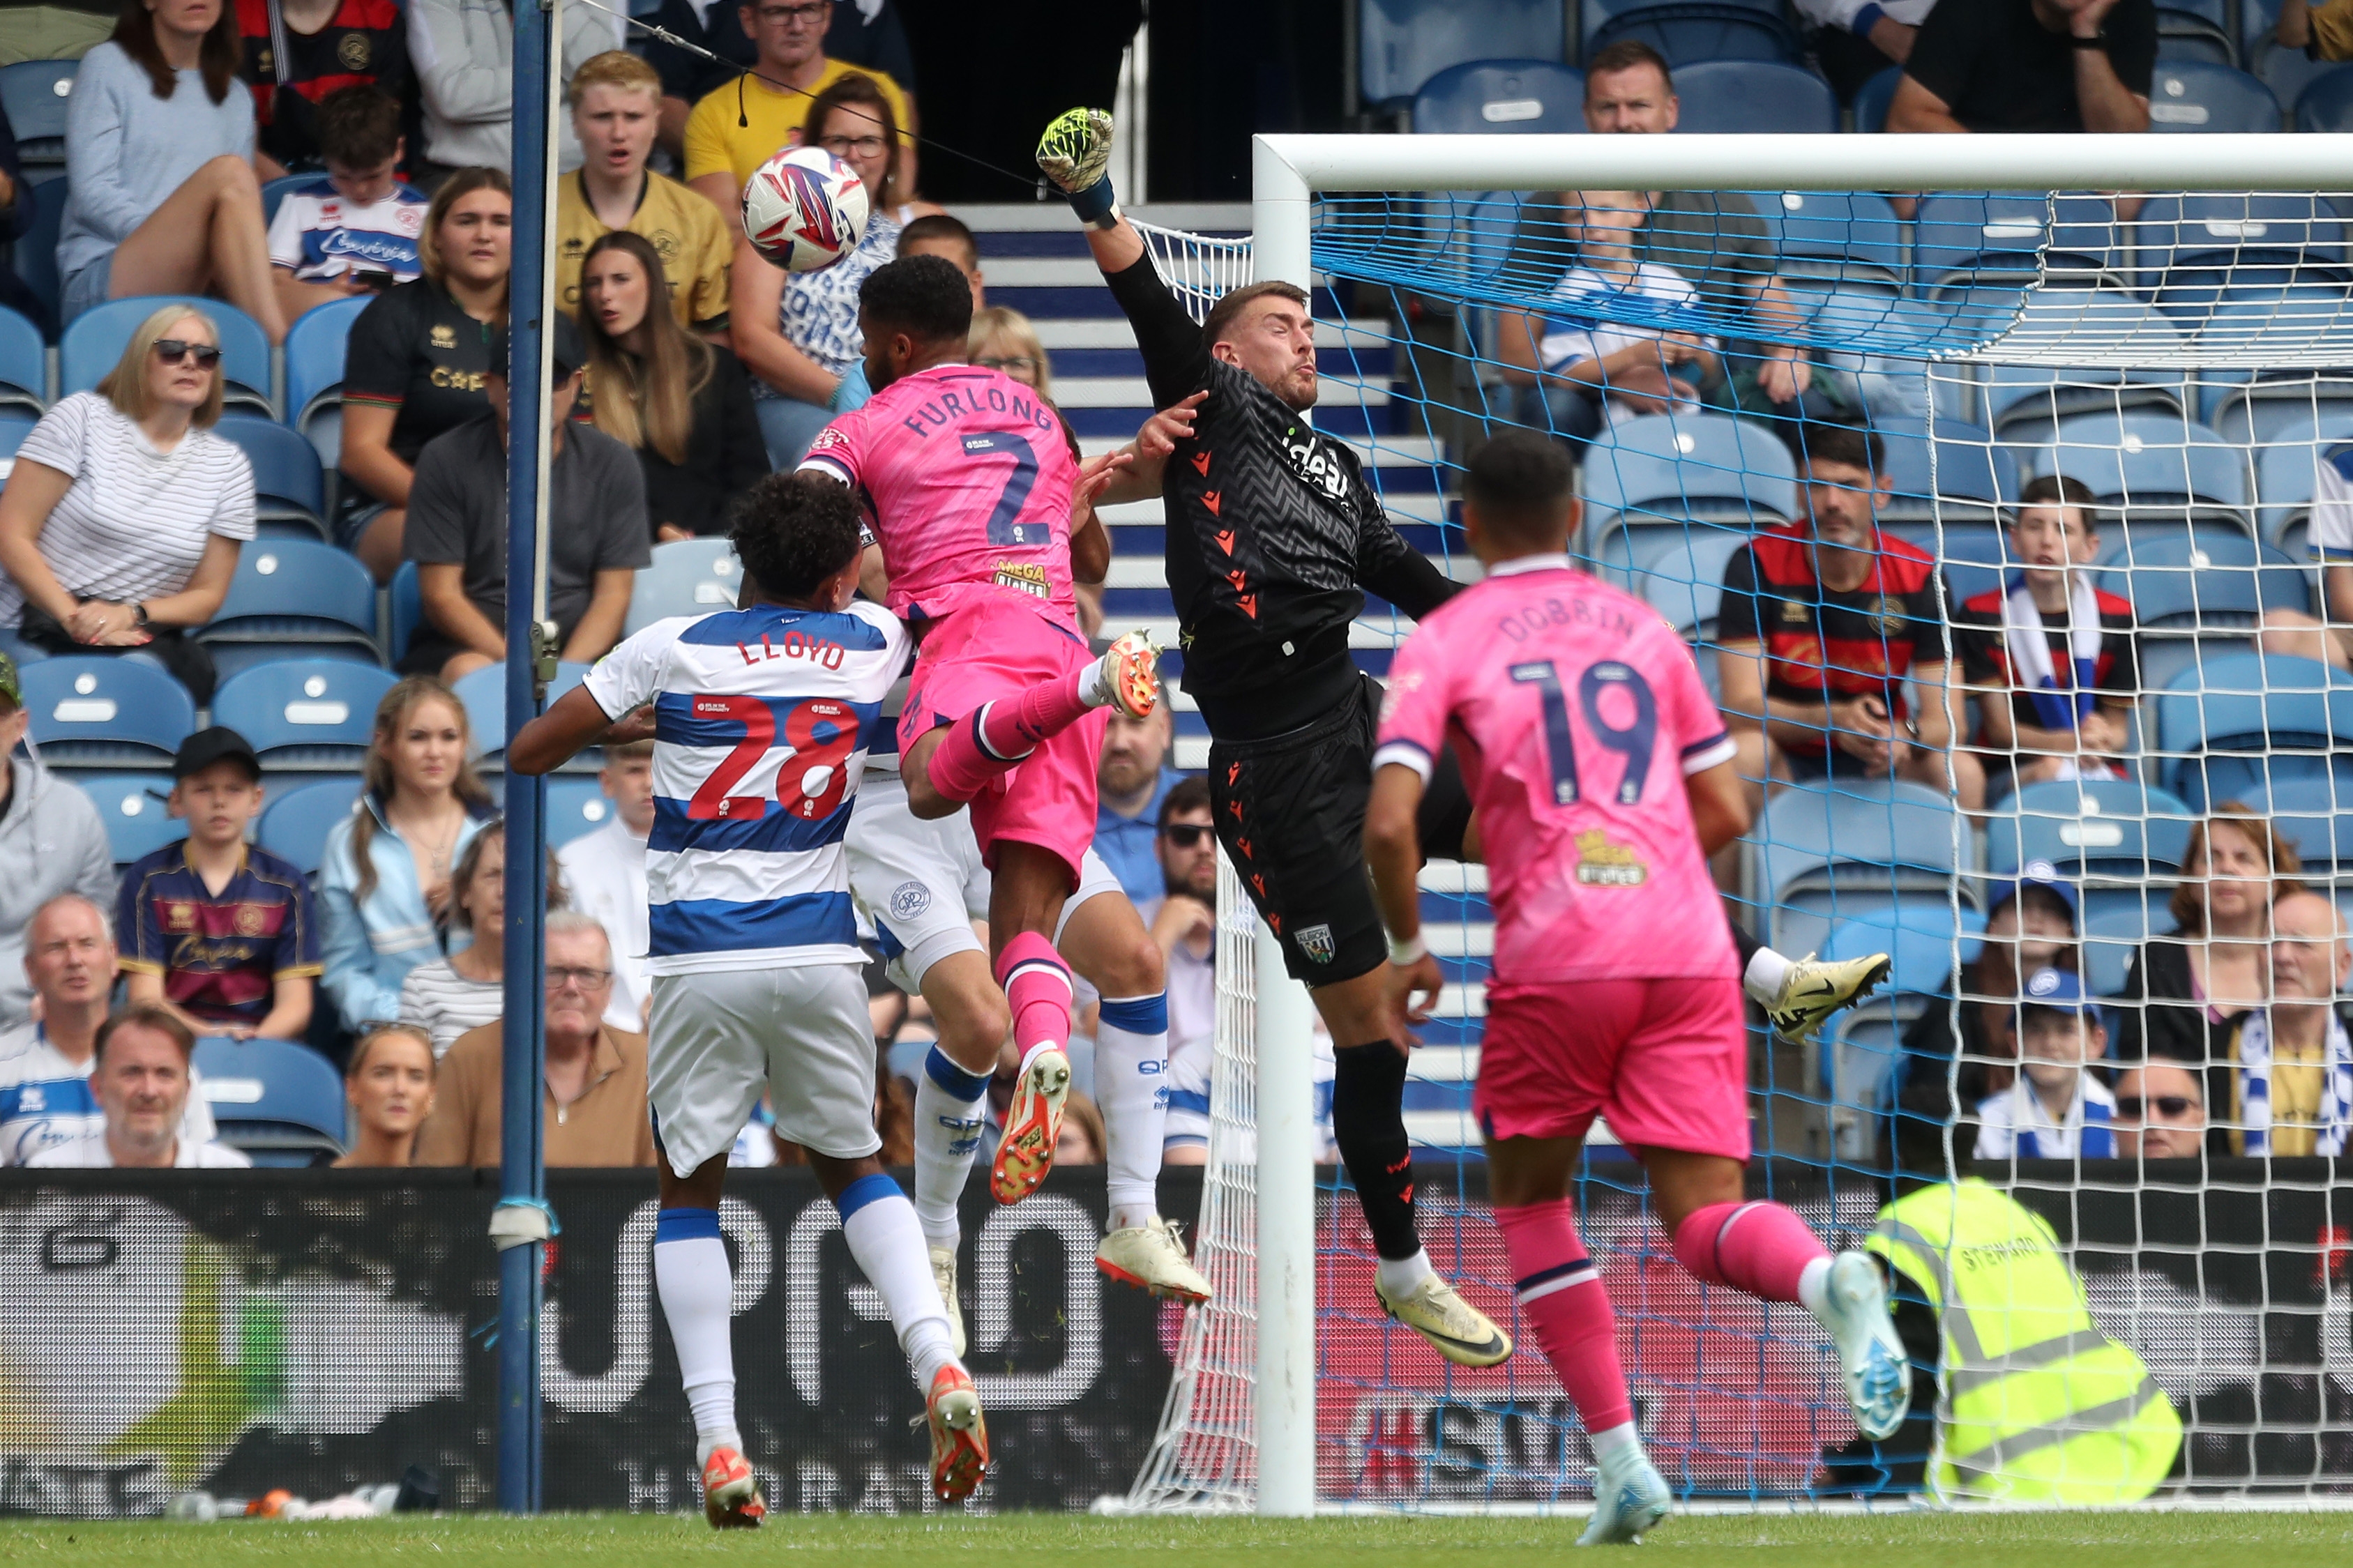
(2195, 1540)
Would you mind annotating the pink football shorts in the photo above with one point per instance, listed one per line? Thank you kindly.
(1666, 1061)
(993, 649)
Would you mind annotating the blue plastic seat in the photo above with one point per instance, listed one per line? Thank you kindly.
(2153, 470)
(2285, 471)
(1962, 240)
(1975, 555)
(1753, 97)
(1508, 96)
(277, 1101)
(1851, 240)
(97, 710)
(2193, 248)
(1918, 938)
(293, 598)
(1402, 44)
(2197, 96)
(1963, 471)
(274, 191)
(2110, 830)
(687, 578)
(2279, 408)
(314, 374)
(1822, 855)
(1659, 474)
(575, 806)
(36, 95)
(24, 364)
(1874, 96)
(2316, 816)
(133, 807)
(290, 492)
(407, 606)
(1690, 31)
(2248, 723)
(93, 346)
(36, 254)
(1685, 582)
(306, 713)
(2327, 104)
(295, 823)
(16, 424)
(2208, 577)
(484, 695)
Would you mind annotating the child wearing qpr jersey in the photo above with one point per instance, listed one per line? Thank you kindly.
(969, 486)
(1602, 776)
(761, 718)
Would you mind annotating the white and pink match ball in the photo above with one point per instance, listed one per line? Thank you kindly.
(804, 209)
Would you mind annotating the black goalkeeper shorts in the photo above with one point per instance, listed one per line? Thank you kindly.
(1290, 811)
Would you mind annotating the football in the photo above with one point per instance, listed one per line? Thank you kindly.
(804, 209)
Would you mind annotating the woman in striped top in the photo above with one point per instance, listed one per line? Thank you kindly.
(468, 989)
(121, 521)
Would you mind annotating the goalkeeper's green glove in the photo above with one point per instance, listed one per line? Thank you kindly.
(1075, 154)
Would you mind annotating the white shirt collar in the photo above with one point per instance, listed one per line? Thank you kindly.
(1556, 562)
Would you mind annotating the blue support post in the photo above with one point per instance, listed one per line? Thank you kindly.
(522, 1180)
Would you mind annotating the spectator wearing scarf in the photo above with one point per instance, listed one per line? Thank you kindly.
(2293, 1061)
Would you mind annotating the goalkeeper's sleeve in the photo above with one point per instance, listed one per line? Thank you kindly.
(1176, 361)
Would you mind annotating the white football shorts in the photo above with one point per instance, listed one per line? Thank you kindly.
(719, 1040)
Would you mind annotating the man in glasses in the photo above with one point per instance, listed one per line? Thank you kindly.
(746, 117)
(593, 1107)
(2160, 1112)
(865, 36)
(2292, 1062)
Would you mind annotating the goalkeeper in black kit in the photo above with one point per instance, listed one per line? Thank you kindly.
(1273, 539)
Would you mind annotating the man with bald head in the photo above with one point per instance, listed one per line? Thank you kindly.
(2292, 1062)
(44, 1067)
(2160, 1112)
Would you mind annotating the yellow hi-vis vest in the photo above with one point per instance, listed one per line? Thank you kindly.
(2038, 1405)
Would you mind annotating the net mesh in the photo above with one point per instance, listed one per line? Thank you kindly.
(2178, 361)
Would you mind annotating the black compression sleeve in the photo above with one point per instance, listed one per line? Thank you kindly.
(1175, 360)
(1404, 576)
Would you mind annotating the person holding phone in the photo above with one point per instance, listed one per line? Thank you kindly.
(354, 229)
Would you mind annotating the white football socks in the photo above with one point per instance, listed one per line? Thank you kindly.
(1814, 1286)
(948, 1119)
(1131, 1089)
(887, 1240)
(1762, 979)
(1400, 1276)
(692, 1276)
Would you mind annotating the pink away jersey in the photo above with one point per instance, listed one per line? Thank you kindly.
(965, 478)
(1575, 714)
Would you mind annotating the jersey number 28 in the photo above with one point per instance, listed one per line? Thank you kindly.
(1633, 742)
(810, 783)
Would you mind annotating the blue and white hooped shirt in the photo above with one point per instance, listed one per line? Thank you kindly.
(321, 234)
(46, 1100)
(2014, 1125)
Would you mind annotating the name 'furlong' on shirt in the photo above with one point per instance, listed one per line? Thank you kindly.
(1575, 714)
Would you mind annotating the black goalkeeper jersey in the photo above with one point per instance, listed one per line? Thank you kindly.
(1272, 536)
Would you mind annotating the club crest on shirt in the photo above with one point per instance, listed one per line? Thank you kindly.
(1316, 942)
(909, 899)
(353, 51)
(1602, 864)
(1891, 615)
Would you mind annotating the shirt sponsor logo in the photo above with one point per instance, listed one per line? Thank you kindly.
(1023, 578)
(1316, 942)
(1315, 465)
(387, 248)
(1602, 864)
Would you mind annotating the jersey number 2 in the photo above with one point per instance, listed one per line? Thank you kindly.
(1002, 528)
(810, 783)
(1635, 742)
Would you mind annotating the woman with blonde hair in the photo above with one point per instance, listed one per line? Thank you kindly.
(1003, 338)
(388, 1084)
(683, 404)
(798, 333)
(386, 871)
(2185, 990)
(414, 365)
(123, 518)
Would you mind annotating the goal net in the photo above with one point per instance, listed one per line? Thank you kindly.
(2112, 438)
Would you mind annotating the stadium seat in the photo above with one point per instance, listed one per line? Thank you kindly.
(1872, 98)
(293, 598)
(1835, 237)
(2108, 830)
(2197, 31)
(1753, 97)
(277, 1101)
(2158, 472)
(97, 710)
(1658, 474)
(2253, 723)
(36, 95)
(15, 425)
(295, 824)
(688, 577)
(2198, 96)
(1403, 43)
(274, 191)
(2327, 104)
(1861, 1058)
(2284, 473)
(2278, 407)
(1965, 476)
(2111, 937)
(1819, 856)
(1976, 557)
(24, 364)
(2210, 577)
(1959, 241)
(314, 374)
(574, 805)
(2316, 816)
(290, 492)
(1918, 939)
(484, 695)
(92, 345)
(35, 255)
(1526, 97)
(1685, 582)
(313, 715)
(1690, 31)
(2193, 248)
(131, 806)
(406, 611)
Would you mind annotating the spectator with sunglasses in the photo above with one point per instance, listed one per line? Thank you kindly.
(121, 521)
(2160, 1112)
